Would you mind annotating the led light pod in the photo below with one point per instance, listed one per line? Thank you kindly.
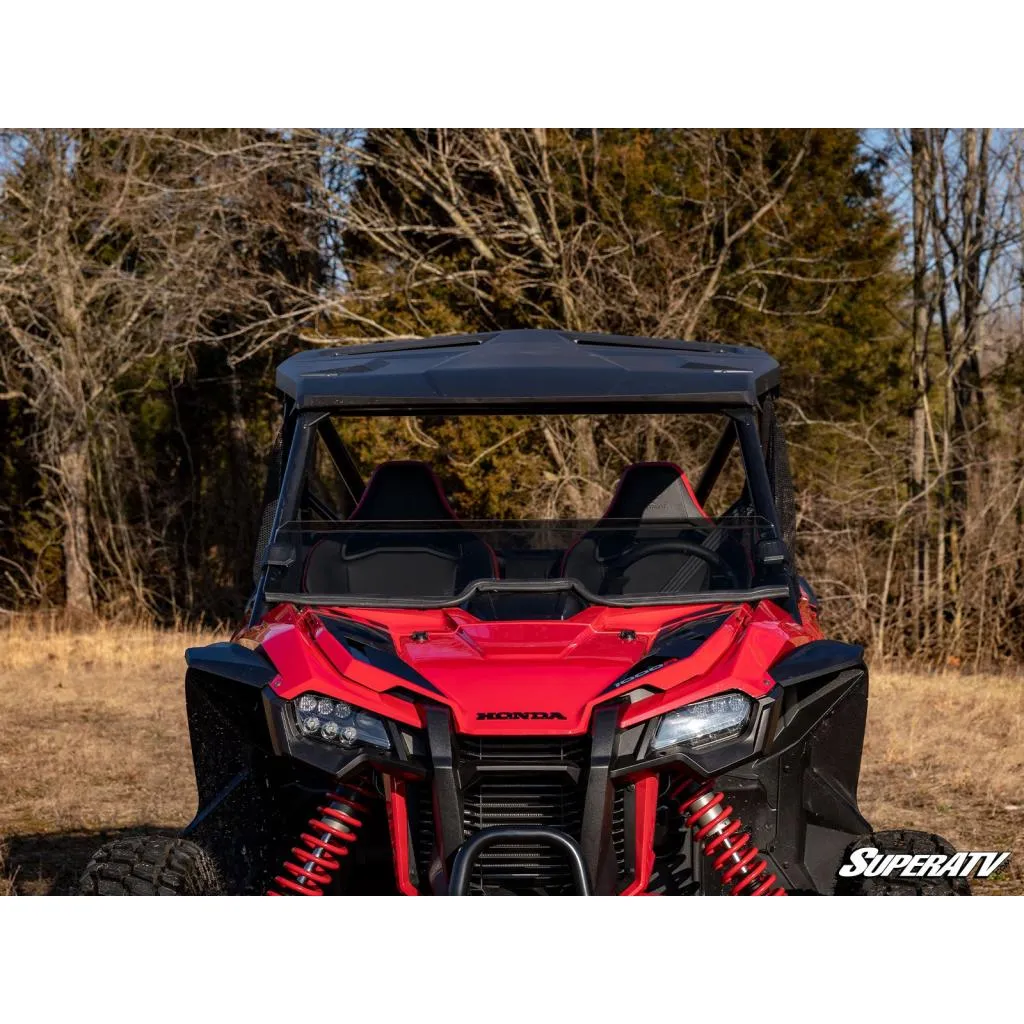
(338, 723)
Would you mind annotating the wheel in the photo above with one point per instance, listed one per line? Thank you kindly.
(150, 866)
(902, 841)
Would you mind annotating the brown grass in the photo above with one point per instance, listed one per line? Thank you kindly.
(6, 879)
(93, 744)
(946, 754)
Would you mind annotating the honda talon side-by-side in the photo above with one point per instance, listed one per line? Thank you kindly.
(428, 703)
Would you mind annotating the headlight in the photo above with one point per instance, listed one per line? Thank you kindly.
(338, 723)
(716, 718)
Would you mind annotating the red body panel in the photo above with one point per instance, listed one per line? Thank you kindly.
(398, 827)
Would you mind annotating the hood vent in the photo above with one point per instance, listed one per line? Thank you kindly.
(674, 645)
(374, 647)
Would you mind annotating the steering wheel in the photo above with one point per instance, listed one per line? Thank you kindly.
(675, 547)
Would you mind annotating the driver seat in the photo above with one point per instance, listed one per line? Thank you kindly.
(420, 549)
(653, 503)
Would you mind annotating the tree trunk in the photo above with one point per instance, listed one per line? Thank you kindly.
(589, 467)
(73, 467)
(919, 378)
(242, 498)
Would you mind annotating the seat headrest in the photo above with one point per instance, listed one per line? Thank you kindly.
(654, 490)
(403, 489)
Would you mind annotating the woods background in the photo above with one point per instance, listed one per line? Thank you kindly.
(150, 280)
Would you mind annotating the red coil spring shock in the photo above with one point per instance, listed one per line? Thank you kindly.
(331, 833)
(738, 860)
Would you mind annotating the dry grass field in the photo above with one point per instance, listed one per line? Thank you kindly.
(93, 744)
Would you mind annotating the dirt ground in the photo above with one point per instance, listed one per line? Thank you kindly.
(93, 744)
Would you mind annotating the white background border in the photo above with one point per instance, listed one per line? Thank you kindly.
(407, 961)
(781, 62)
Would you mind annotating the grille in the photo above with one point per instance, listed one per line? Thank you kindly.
(543, 750)
(619, 833)
(535, 789)
(421, 821)
(519, 781)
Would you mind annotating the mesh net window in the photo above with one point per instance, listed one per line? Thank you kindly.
(271, 491)
(777, 459)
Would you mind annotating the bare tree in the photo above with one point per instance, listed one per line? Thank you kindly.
(538, 227)
(120, 251)
(963, 232)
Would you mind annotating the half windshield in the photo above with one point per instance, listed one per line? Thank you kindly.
(525, 569)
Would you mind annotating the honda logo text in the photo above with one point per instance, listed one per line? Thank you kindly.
(528, 716)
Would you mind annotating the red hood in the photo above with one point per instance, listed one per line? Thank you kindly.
(502, 678)
(550, 671)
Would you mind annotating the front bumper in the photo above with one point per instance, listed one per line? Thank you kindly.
(469, 853)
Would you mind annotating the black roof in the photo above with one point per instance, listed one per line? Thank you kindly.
(547, 371)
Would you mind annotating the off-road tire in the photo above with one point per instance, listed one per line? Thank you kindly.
(148, 866)
(902, 841)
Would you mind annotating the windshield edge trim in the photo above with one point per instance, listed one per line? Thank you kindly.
(765, 593)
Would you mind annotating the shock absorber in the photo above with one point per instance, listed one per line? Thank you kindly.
(721, 835)
(331, 832)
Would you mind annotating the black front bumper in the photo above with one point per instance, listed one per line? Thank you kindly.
(469, 853)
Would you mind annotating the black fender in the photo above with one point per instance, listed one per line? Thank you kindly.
(232, 756)
(799, 797)
(257, 776)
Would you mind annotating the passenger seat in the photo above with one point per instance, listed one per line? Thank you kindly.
(647, 507)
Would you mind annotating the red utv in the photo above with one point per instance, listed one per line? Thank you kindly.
(423, 705)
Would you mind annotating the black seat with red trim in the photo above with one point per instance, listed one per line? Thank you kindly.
(420, 549)
(654, 490)
(653, 538)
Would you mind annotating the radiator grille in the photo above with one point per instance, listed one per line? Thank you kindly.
(519, 781)
(523, 781)
(423, 830)
(619, 833)
(543, 750)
